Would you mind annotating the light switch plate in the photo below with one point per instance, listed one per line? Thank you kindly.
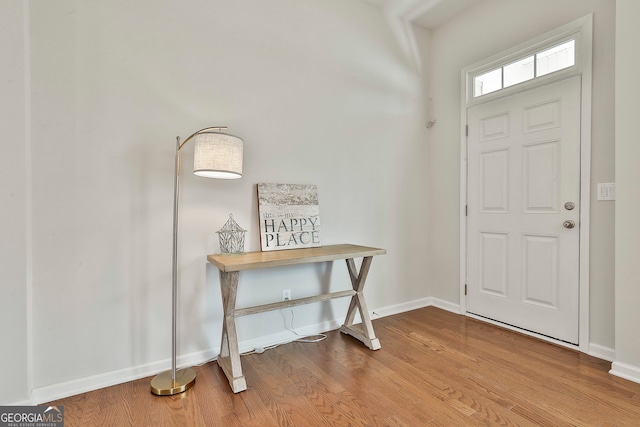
(607, 191)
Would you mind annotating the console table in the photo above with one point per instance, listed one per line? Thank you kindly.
(231, 265)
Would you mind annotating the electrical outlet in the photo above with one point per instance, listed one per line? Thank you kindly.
(286, 295)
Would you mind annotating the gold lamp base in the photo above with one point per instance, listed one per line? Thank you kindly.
(163, 385)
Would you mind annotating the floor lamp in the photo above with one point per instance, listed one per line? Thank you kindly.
(215, 155)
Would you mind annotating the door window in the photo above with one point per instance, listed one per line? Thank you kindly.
(539, 64)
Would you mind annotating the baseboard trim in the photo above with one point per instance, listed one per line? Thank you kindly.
(415, 305)
(82, 385)
(628, 372)
(446, 305)
(390, 310)
(602, 352)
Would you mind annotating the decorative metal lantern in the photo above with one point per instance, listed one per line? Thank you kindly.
(231, 237)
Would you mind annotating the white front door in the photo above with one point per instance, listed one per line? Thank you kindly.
(523, 213)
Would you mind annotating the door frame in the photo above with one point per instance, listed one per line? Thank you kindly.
(582, 30)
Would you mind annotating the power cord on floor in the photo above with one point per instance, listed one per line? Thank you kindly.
(309, 338)
(305, 339)
(259, 350)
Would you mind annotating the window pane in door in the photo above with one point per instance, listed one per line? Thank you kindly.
(487, 82)
(518, 72)
(556, 58)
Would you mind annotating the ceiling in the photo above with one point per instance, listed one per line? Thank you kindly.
(426, 13)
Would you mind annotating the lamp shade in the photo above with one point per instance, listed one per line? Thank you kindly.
(217, 155)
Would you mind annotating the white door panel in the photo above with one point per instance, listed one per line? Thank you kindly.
(523, 166)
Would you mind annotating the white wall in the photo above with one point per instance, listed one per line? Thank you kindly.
(321, 93)
(482, 31)
(627, 363)
(13, 214)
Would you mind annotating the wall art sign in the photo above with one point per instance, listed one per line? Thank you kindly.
(289, 216)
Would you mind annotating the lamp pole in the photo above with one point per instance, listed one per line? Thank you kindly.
(177, 381)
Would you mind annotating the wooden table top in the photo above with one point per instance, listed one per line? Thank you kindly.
(258, 259)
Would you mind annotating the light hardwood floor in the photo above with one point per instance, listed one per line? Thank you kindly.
(434, 369)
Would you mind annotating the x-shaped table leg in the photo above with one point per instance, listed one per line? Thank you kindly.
(229, 357)
(363, 332)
